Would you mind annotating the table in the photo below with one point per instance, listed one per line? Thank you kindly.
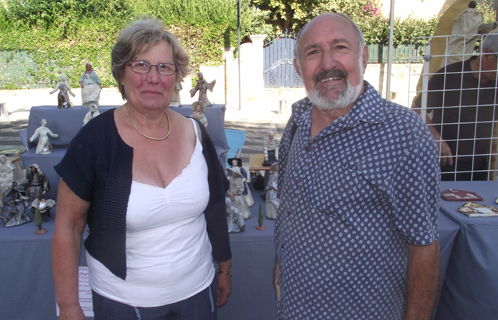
(255, 163)
(28, 291)
(27, 285)
(67, 122)
(470, 287)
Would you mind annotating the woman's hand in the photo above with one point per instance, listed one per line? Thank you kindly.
(73, 313)
(224, 284)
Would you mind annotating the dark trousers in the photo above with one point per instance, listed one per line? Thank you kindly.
(201, 306)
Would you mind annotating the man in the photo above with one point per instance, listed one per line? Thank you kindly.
(357, 227)
(463, 99)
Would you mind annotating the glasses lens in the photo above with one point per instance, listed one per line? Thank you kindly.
(140, 67)
(166, 68)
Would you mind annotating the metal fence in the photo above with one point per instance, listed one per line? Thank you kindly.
(461, 104)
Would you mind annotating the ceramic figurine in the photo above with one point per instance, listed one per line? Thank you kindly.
(235, 192)
(37, 184)
(90, 87)
(235, 222)
(14, 208)
(237, 162)
(63, 101)
(41, 209)
(92, 113)
(6, 176)
(176, 100)
(260, 225)
(203, 86)
(270, 149)
(198, 112)
(271, 199)
(44, 146)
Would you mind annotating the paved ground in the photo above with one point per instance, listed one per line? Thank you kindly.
(259, 114)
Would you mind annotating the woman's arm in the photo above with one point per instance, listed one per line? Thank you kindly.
(70, 221)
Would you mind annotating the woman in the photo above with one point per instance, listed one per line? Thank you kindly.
(90, 87)
(148, 182)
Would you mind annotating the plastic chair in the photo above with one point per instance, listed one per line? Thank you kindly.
(235, 140)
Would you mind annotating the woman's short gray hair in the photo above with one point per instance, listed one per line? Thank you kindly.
(139, 37)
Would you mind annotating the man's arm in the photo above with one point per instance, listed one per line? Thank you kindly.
(445, 155)
(422, 281)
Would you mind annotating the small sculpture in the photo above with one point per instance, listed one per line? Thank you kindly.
(90, 87)
(272, 201)
(203, 86)
(92, 113)
(237, 162)
(176, 101)
(37, 184)
(198, 112)
(14, 208)
(235, 222)
(41, 209)
(44, 146)
(235, 192)
(6, 176)
(260, 225)
(63, 101)
(270, 149)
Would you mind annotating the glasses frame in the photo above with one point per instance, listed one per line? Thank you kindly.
(130, 64)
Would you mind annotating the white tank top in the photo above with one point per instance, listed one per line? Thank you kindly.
(168, 253)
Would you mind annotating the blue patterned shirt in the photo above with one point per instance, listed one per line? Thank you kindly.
(352, 199)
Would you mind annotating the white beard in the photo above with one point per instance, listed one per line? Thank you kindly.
(345, 98)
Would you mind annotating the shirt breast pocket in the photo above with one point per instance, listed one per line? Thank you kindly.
(335, 193)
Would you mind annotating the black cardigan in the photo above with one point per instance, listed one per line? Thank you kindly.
(97, 167)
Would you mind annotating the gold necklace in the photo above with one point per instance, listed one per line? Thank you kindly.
(143, 134)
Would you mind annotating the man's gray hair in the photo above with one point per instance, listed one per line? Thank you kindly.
(490, 43)
(361, 38)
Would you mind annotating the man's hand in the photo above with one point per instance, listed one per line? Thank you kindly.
(445, 155)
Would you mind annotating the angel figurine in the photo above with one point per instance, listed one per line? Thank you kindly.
(63, 101)
(198, 112)
(203, 86)
(44, 146)
(235, 192)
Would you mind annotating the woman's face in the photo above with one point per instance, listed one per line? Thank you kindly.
(150, 91)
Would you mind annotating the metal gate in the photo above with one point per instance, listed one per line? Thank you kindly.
(278, 68)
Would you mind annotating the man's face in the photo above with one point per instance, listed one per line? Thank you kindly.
(271, 135)
(489, 66)
(331, 62)
(88, 67)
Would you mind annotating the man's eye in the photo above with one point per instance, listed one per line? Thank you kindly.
(311, 52)
(140, 64)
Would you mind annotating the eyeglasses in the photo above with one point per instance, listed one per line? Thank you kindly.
(166, 69)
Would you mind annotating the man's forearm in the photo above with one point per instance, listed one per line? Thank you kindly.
(422, 282)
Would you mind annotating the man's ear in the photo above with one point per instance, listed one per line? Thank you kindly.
(365, 57)
(296, 67)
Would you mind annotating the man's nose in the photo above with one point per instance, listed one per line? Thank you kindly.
(328, 60)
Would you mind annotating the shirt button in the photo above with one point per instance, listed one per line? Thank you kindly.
(283, 246)
(296, 181)
(288, 213)
(307, 149)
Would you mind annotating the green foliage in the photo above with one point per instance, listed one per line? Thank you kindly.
(487, 10)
